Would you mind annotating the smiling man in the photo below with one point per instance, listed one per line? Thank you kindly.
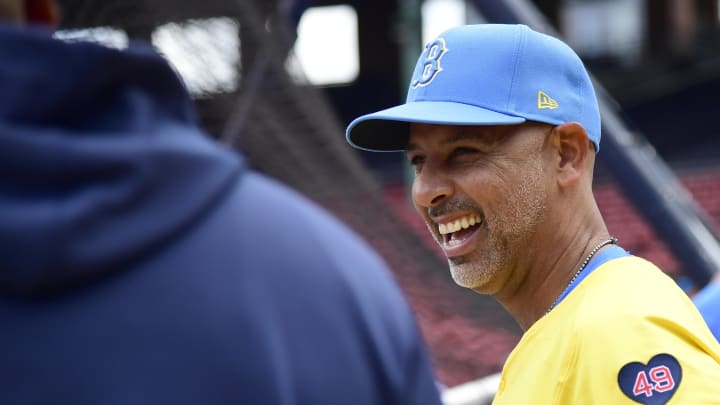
(481, 229)
(501, 125)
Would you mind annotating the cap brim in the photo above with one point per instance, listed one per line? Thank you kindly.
(387, 130)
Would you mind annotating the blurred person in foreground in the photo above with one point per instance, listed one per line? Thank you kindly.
(708, 302)
(140, 263)
(502, 126)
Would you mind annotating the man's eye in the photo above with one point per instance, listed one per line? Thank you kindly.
(417, 160)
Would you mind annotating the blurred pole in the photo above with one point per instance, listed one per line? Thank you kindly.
(658, 30)
(409, 34)
(550, 9)
(477, 392)
(644, 177)
(707, 12)
(273, 17)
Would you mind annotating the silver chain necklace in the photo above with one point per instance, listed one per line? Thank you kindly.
(610, 241)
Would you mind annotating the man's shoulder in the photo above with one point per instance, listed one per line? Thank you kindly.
(631, 300)
(267, 205)
(284, 227)
(634, 281)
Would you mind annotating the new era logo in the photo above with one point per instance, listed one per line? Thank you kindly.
(545, 101)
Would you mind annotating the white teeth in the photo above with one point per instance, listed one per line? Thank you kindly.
(462, 223)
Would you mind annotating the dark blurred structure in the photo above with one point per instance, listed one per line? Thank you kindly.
(665, 76)
(665, 80)
(669, 90)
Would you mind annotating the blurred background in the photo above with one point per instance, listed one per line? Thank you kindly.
(280, 80)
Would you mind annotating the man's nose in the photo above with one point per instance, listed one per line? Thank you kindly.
(431, 187)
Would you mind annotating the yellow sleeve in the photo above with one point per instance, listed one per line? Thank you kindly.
(646, 344)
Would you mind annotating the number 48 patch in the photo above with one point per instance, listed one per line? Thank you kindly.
(651, 384)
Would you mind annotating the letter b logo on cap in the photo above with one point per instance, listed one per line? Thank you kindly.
(430, 60)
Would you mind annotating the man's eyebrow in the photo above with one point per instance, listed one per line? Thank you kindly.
(461, 135)
(488, 138)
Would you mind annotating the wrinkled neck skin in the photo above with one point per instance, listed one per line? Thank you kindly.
(573, 227)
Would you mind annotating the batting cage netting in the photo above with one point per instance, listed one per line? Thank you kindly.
(236, 59)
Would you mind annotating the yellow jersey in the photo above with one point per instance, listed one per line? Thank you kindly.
(627, 334)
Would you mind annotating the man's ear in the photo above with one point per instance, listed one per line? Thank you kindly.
(571, 143)
(44, 12)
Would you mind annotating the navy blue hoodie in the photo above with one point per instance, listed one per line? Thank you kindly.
(140, 263)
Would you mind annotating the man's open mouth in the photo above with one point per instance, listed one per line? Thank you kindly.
(455, 232)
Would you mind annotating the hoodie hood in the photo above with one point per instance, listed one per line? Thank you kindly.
(101, 160)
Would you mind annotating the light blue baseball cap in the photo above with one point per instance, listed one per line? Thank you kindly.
(486, 74)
